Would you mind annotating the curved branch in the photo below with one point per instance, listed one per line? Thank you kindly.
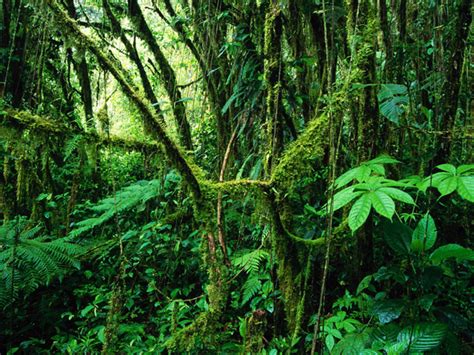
(172, 150)
(20, 120)
(167, 73)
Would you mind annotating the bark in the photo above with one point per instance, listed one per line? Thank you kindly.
(317, 26)
(82, 70)
(16, 61)
(402, 29)
(387, 39)
(454, 65)
(295, 33)
(209, 35)
(5, 38)
(134, 56)
(23, 120)
(168, 76)
(272, 73)
(173, 152)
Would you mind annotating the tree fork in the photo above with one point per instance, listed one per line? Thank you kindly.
(166, 72)
(117, 31)
(172, 150)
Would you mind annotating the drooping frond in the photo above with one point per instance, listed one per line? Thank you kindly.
(251, 261)
(29, 260)
(124, 200)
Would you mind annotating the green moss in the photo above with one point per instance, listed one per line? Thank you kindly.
(255, 331)
(203, 331)
(299, 158)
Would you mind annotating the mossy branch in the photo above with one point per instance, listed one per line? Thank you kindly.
(173, 151)
(298, 159)
(25, 120)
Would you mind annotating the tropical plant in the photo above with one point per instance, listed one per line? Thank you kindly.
(29, 259)
(372, 190)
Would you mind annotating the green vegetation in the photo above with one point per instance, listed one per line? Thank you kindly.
(236, 177)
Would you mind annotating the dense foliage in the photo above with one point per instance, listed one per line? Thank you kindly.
(236, 176)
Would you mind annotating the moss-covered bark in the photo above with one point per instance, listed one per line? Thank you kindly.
(272, 77)
(134, 56)
(173, 151)
(23, 120)
(167, 74)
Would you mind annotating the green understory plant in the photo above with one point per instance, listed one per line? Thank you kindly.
(30, 259)
(401, 308)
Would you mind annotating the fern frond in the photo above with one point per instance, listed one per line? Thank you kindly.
(251, 261)
(250, 288)
(71, 145)
(124, 200)
(29, 260)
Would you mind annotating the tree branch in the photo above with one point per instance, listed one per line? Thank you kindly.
(25, 120)
(172, 150)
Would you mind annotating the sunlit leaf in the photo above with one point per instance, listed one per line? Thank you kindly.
(447, 167)
(382, 203)
(451, 251)
(465, 187)
(398, 195)
(343, 197)
(347, 177)
(424, 235)
(359, 212)
(383, 159)
(448, 185)
(465, 168)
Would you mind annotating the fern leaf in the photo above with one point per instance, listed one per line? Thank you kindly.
(250, 288)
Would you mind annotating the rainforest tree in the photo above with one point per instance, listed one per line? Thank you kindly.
(236, 176)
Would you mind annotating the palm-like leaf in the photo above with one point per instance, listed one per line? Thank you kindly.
(28, 260)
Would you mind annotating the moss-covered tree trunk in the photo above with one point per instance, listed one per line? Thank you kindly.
(362, 24)
(167, 74)
(455, 46)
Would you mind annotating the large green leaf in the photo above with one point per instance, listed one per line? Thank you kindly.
(352, 344)
(398, 194)
(434, 180)
(347, 177)
(383, 159)
(382, 203)
(451, 251)
(329, 341)
(396, 349)
(448, 167)
(388, 310)
(398, 236)
(424, 235)
(343, 197)
(393, 98)
(466, 187)
(378, 169)
(386, 333)
(465, 168)
(363, 173)
(365, 283)
(359, 212)
(448, 185)
(423, 337)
